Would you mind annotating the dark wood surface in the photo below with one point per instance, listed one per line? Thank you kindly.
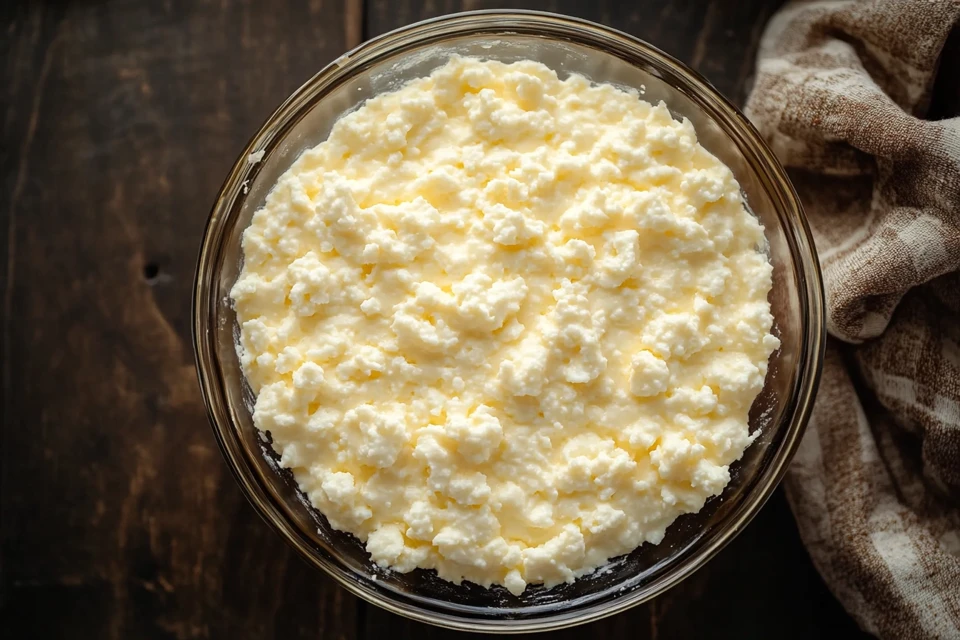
(118, 518)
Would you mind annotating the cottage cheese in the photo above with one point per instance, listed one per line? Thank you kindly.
(505, 326)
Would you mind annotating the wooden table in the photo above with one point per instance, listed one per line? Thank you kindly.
(119, 518)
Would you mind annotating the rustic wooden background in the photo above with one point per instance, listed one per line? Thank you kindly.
(118, 518)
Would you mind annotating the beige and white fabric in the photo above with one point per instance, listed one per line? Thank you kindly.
(843, 95)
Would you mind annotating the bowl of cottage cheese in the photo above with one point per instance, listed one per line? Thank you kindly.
(507, 321)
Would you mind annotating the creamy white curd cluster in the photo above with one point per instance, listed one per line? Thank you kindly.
(505, 326)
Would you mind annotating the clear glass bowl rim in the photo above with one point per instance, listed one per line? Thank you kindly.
(500, 22)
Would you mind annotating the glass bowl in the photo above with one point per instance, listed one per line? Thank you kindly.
(568, 46)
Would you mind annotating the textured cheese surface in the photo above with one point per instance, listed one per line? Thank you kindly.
(505, 326)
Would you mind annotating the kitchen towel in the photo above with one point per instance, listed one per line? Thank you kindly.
(847, 94)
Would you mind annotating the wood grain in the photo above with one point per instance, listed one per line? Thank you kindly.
(118, 518)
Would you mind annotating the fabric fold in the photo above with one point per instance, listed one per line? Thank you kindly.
(842, 94)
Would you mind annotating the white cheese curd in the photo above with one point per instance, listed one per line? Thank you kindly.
(505, 326)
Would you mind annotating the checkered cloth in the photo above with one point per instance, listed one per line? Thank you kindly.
(842, 95)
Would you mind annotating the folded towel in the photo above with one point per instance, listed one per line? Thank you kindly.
(843, 96)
